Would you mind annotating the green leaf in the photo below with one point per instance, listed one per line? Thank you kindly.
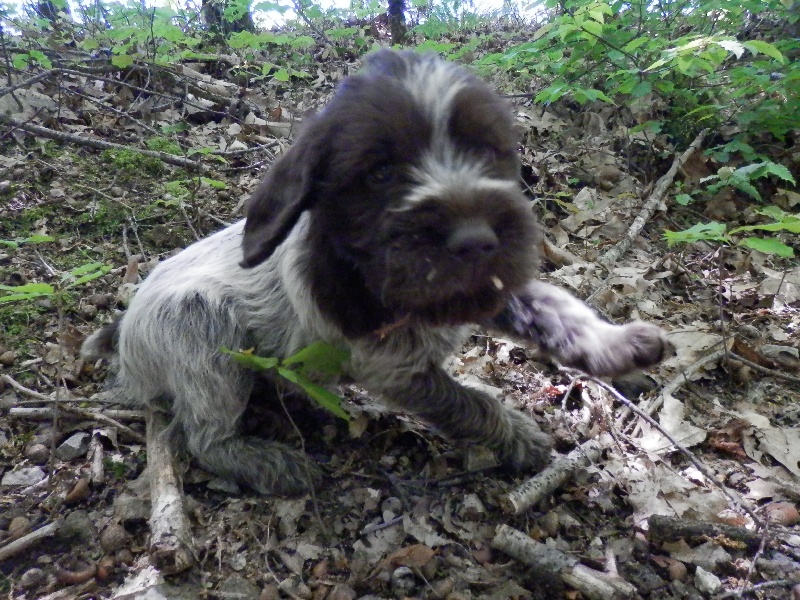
(38, 238)
(29, 288)
(121, 61)
(593, 27)
(326, 399)
(760, 47)
(281, 75)
(9, 244)
(17, 297)
(251, 361)
(90, 276)
(214, 183)
(642, 89)
(78, 271)
(768, 246)
(684, 199)
(700, 232)
(320, 357)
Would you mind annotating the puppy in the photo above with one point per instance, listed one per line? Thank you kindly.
(393, 224)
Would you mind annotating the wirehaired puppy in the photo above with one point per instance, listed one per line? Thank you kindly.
(393, 224)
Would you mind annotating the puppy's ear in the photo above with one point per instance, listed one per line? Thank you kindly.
(279, 200)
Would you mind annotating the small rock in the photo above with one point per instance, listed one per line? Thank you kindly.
(782, 513)
(74, 447)
(442, 587)
(32, 579)
(237, 587)
(7, 358)
(706, 582)
(270, 592)
(124, 557)
(113, 538)
(78, 525)
(341, 591)
(677, 570)
(23, 477)
(88, 311)
(403, 582)
(18, 527)
(37, 453)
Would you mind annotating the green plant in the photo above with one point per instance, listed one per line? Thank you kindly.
(719, 232)
(319, 361)
(70, 279)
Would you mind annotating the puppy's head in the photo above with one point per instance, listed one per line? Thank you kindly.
(411, 178)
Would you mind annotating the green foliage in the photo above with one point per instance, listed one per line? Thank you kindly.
(70, 279)
(160, 144)
(132, 162)
(687, 55)
(718, 232)
(317, 362)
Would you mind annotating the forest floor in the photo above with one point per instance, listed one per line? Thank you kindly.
(402, 513)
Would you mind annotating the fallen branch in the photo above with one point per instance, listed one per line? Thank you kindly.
(608, 259)
(595, 585)
(171, 548)
(671, 529)
(28, 540)
(62, 136)
(109, 417)
(554, 476)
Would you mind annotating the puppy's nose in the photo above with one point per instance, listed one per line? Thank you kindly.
(473, 241)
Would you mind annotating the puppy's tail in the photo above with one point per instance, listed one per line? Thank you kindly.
(102, 343)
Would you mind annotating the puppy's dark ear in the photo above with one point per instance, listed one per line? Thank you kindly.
(279, 200)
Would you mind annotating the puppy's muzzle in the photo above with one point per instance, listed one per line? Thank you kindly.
(473, 241)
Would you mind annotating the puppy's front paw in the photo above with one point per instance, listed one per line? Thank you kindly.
(524, 447)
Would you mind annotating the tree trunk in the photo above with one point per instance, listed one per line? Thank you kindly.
(397, 21)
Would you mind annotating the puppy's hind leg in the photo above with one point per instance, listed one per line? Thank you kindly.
(210, 392)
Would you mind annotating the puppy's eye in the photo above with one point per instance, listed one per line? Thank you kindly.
(383, 173)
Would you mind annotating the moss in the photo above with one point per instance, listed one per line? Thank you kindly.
(131, 162)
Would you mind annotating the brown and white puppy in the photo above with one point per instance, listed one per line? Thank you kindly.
(392, 225)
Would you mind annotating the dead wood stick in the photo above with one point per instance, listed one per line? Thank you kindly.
(608, 259)
(104, 416)
(554, 476)
(43, 413)
(171, 548)
(560, 256)
(673, 385)
(595, 585)
(671, 529)
(62, 136)
(28, 540)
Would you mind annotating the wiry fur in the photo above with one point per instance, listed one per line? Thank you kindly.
(393, 223)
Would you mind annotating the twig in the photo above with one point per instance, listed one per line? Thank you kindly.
(554, 476)
(109, 417)
(28, 540)
(101, 144)
(595, 585)
(678, 446)
(674, 385)
(663, 528)
(171, 550)
(757, 588)
(757, 367)
(608, 259)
